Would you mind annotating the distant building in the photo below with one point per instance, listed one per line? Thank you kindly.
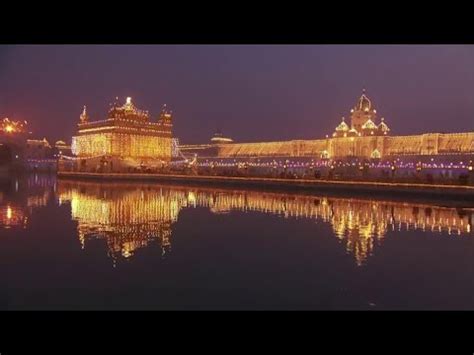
(219, 138)
(210, 149)
(38, 149)
(61, 148)
(364, 137)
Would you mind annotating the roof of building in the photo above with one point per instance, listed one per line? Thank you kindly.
(342, 126)
(369, 124)
(127, 111)
(383, 126)
(219, 138)
(364, 103)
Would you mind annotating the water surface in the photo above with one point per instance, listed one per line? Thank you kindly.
(87, 245)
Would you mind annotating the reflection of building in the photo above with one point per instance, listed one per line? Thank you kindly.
(12, 216)
(130, 217)
(126, 133)
(19, 196)
(363, 137)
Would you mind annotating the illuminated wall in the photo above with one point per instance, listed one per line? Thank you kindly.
(363, 137)
(92, 144)
(120, 144)
(425, 144)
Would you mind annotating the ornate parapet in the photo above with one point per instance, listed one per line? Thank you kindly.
(295, 148)
(366, 147)
(432, 144)
(456, 143)
(361, 147)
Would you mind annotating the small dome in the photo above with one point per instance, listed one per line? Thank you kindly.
(369, 124)
(364, 103)
(60, 143)
(220, 139)
(342, 126)
(375, 154)
(353, 132)
(383, 126)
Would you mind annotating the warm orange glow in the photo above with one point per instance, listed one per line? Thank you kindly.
(127, 133)
(8, 126)
(133, 219)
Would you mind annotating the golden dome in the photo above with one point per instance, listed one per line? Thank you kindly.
(353, 132)
(369, 124)
(383, 126)
(342, 126)
(364, 103)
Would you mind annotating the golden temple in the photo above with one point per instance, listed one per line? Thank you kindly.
(127, 137)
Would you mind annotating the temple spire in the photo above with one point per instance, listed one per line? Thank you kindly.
(84, 116)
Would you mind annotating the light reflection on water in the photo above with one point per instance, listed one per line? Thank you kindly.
(127, 217)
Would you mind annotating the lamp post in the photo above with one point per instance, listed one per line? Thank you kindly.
(393, 169)
(470, 169)
(331, 170)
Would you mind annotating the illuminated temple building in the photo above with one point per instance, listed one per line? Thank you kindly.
(126, 137)
(364, 136)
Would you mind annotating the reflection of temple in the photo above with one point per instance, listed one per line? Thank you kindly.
(127, 218)
(130, 217)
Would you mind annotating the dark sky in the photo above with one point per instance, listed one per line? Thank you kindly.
(251, 92)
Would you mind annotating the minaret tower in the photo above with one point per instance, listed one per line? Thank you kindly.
(84, 117)
(362, 112)
(165, 116)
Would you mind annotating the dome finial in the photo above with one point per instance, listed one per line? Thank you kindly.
(84, 117)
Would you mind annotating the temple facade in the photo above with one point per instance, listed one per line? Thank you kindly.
(364, 136)
(127, 137)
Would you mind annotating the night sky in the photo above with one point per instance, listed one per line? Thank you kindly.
(251, 92)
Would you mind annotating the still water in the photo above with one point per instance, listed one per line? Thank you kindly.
(86, 245)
